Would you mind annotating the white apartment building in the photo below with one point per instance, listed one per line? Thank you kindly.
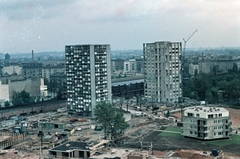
(130, 66)
(206, 123)
(88, 69)
(193, 68)
(162, 71)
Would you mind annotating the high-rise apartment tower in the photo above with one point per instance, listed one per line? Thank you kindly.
(162, 71)
(88, 77)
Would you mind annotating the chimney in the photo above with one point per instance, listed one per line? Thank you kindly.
(32, 56)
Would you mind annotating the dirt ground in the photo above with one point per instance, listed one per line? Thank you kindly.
(235, 117)
(135, 139)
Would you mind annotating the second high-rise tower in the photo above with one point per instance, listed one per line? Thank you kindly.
(162, 71)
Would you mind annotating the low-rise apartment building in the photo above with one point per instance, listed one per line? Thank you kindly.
(206, 123)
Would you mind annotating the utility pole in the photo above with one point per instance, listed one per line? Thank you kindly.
(183, 54)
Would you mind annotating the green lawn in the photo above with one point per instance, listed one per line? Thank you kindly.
(173, 129)
(235, 139)
(176, 132)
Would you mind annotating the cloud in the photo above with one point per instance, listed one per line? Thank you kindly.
(50, 24)
(15, 10)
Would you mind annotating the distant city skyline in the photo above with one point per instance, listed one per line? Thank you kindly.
(43, 25)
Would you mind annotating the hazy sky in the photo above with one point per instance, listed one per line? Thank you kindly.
(49, 25)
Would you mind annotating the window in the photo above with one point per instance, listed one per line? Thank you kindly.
(219, 133)
(210, 116)
(190, 114)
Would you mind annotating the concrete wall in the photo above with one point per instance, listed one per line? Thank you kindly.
(31, 86)
(4, 93)
(12, 69)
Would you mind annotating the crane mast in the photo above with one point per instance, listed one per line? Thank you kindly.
(183, 54)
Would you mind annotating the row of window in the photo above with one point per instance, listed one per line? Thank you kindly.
(205, 134)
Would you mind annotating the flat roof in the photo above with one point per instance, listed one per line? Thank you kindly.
(207, 110)
(71, 146)
(127, 82)
(114, 80)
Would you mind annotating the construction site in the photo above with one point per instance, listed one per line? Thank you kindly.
(150, 135)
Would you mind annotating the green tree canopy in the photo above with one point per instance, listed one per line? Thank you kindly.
(168, 114)
(110, 118)
(20, 98)
(214, 86)
(7, 103)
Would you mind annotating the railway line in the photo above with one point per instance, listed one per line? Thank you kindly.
(29, 109)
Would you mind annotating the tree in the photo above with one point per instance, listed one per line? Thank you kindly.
(168, 114)
(215, 70)
(195, 72)
(209, 96)
(20, 98)
(7, 103)
(110, 118)
(201, 85)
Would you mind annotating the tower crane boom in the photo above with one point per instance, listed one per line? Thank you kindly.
(185, 41)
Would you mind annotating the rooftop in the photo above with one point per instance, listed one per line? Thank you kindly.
(206, 112)
(127, 82)
(71, 145)
(203, 109)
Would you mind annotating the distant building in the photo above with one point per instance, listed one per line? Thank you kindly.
(11, 84)
(32, 70)
(162, 71)
(193, 68)
(222, 65)
(88, 77)
(12, 70)
(58, 82)
(48, 70)
(140, 65)
(117, 65)
(206, 123)
(7, 56)
(124, 87)
(130, 66)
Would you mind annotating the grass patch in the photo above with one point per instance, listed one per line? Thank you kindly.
(171, 132)
(173, 129)
(234, 139)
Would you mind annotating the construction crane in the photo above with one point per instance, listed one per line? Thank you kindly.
(183, 54)
(184, 48)
(185, 41)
